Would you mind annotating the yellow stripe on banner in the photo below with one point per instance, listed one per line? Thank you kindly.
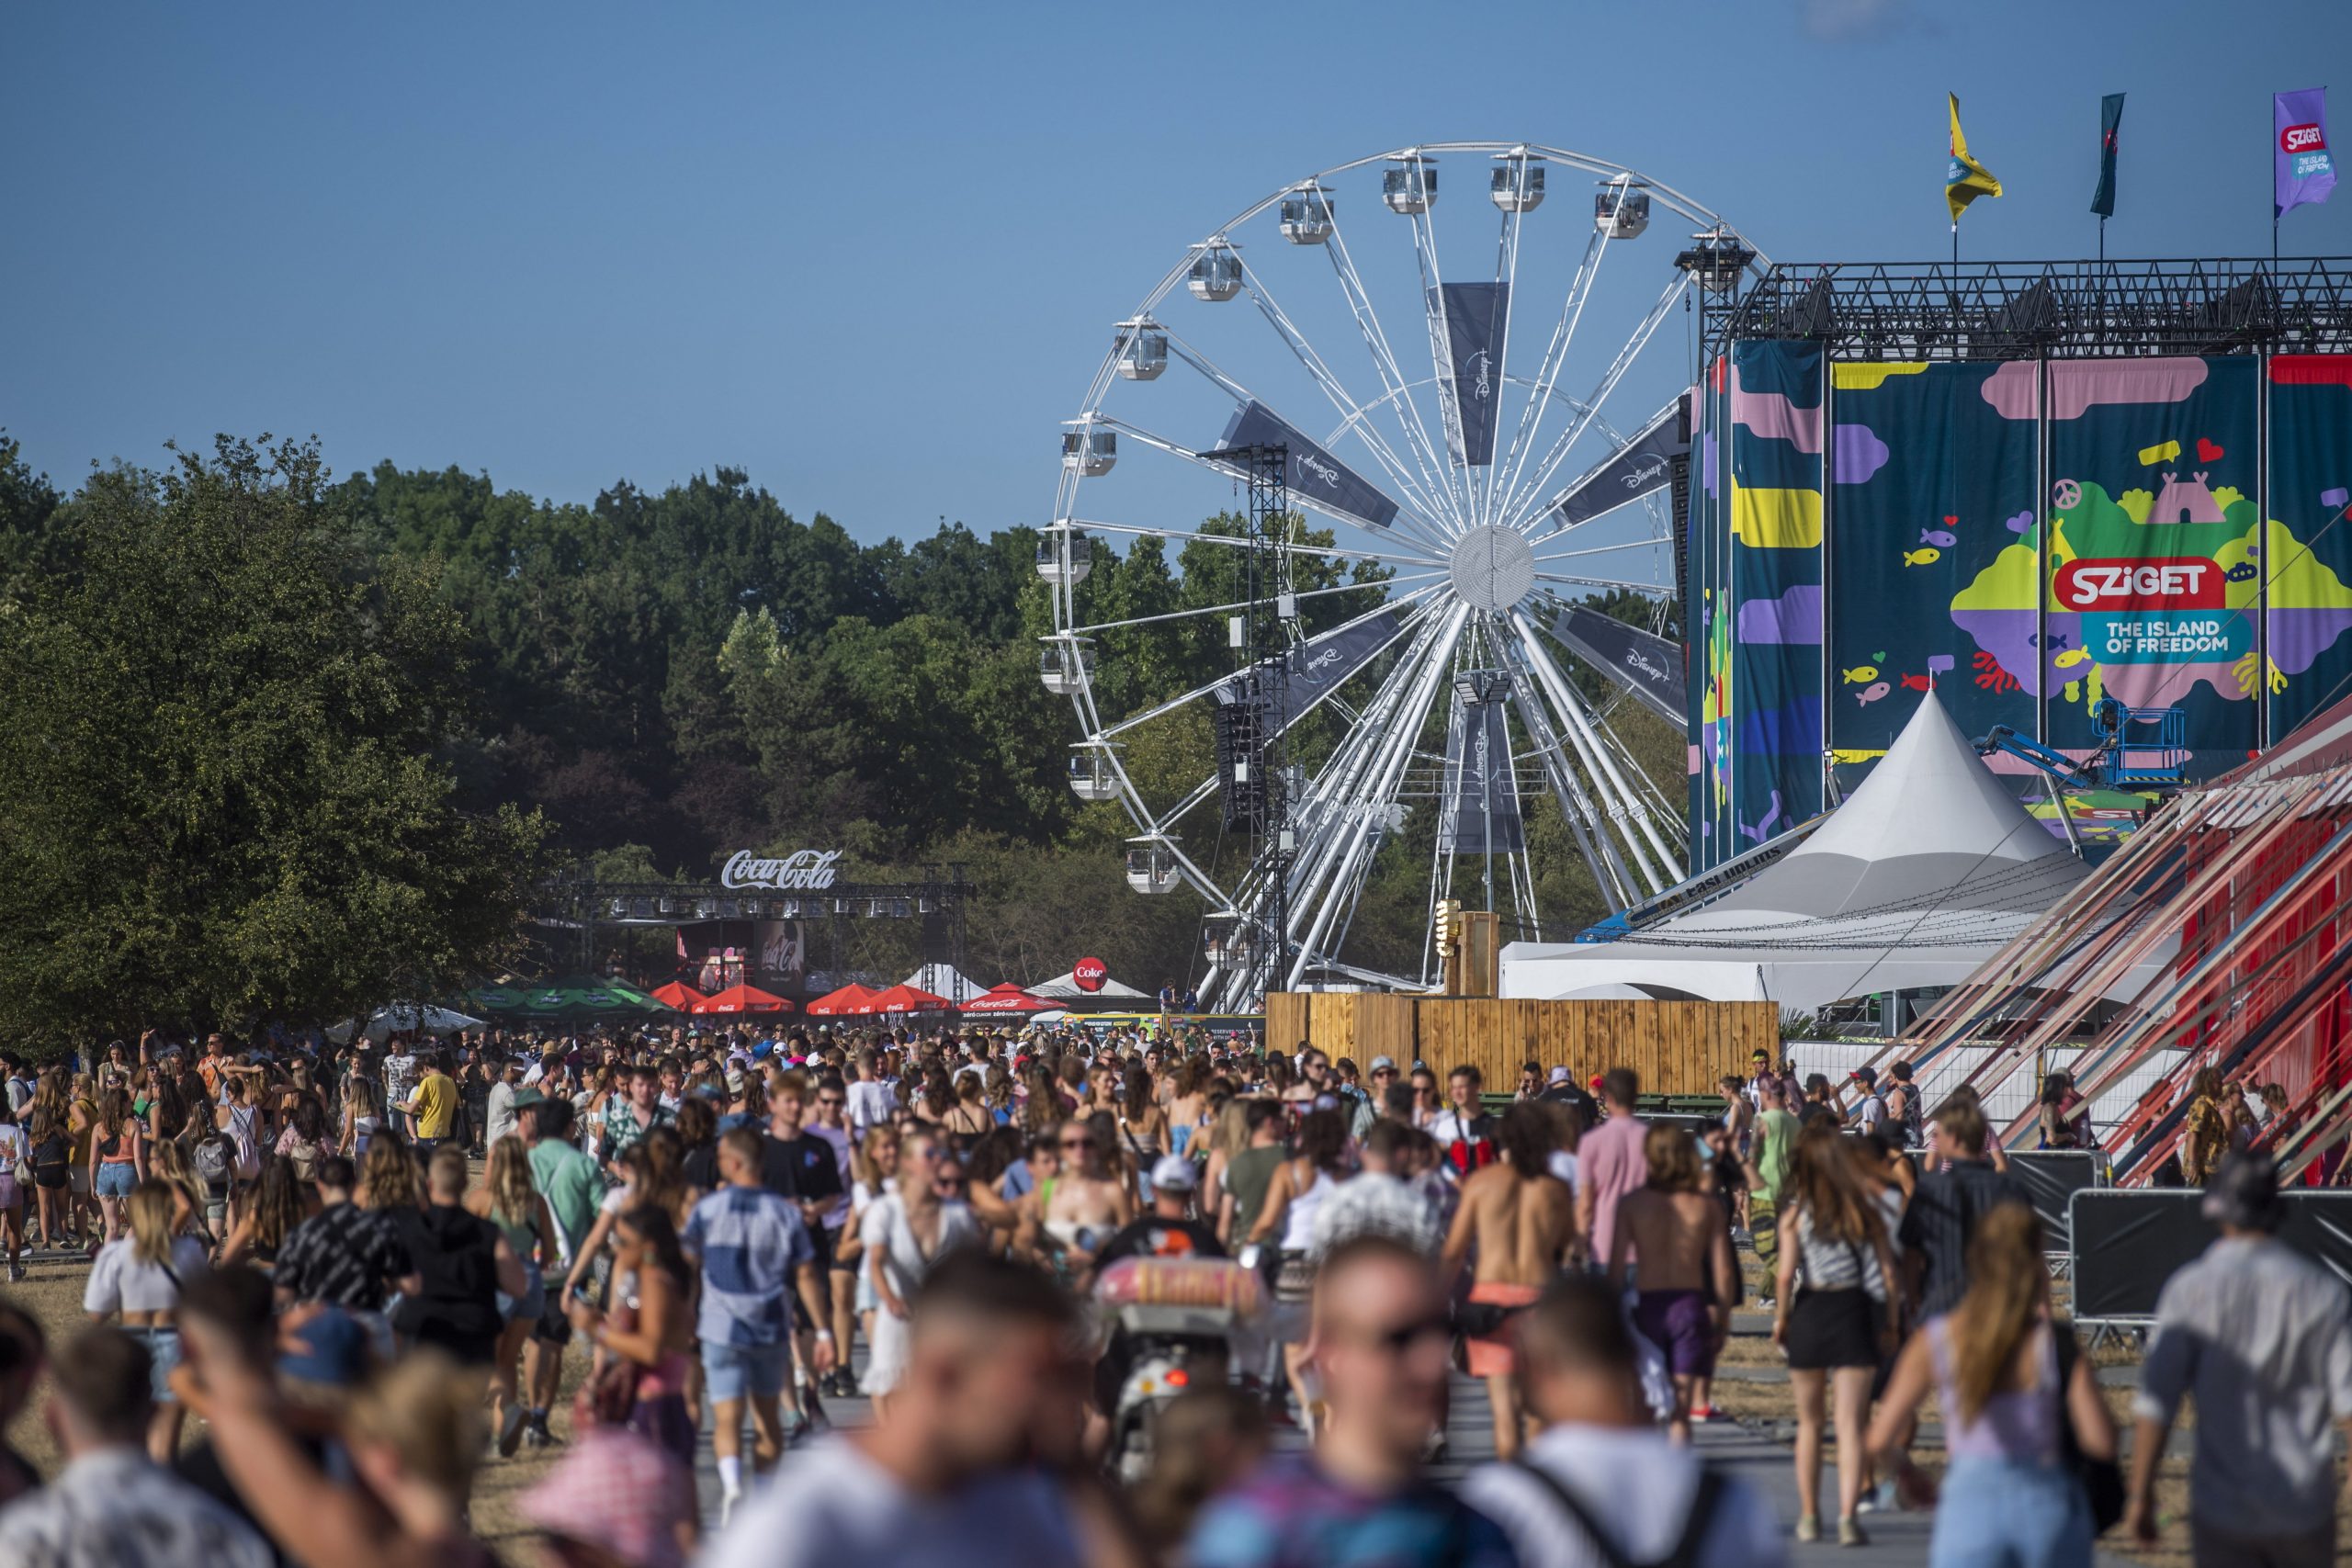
(1776, 519)
(1863, 375)
(1852, 756)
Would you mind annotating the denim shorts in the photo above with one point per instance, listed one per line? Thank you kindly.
(115, 1178)
(163, 1344)
(729, 1371)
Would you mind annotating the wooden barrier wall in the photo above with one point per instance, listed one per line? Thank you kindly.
(1675, 1048)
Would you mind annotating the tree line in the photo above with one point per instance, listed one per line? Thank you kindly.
(243, 677)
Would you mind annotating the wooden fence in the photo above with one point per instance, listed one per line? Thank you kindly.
(1675, 1048)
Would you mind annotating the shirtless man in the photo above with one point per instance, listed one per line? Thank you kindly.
(1087, 1205)
(1671, 1235)
(1522, 1219)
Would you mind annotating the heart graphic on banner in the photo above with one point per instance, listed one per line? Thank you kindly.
(2206, 451)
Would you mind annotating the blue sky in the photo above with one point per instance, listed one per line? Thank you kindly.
(870, 253)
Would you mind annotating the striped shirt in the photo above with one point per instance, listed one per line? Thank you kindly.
(750, 1242)
(1942, 1217)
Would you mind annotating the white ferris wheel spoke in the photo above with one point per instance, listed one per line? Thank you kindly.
(1202, 610)
(1189, 535)
(1392, 375)
(1350, 411)
(1555, 354)
(1242, 395)
(1514, 503)
(1667, 869)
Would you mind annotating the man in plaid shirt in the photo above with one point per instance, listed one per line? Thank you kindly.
(627, 1121)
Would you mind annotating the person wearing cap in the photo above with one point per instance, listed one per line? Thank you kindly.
(2262, 1338)
(1168, 1228)
(1870, 1110)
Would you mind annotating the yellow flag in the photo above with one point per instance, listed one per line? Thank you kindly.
(1966, 179)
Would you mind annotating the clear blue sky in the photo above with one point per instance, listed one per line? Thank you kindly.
(869, 252)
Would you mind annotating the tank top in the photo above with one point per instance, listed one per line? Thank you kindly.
(524, 1239)
(2016, 1426)
(362, 1129)
(1247, 1176)
(115, 1150)
(1299, 1220)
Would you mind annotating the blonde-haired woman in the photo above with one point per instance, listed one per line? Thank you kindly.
(2010, 1386)
(510, 1199)
(138, 1278)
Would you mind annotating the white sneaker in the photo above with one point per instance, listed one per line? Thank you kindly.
(726, 1501)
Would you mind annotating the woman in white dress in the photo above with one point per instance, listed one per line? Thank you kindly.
(905, 1232)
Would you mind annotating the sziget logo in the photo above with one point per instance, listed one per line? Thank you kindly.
(2303, 139)
(2186, 584)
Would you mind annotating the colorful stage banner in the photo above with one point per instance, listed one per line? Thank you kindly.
(1775, 627)
(1930, 486)
(2150, 559)
(2306, 550)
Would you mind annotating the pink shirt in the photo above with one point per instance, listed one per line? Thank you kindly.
(1611, 1164)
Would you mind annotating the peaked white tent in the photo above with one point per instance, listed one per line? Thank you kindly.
(1064, 987)
(1918, 878)
(946, 980)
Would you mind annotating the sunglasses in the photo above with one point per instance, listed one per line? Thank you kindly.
(1078, 1142)
(948, 1184)
(828, 1099)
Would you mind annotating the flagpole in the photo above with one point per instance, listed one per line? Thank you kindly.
(2103, 239)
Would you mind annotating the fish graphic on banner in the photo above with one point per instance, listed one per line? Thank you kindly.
(1313, 474)
(1477, 319)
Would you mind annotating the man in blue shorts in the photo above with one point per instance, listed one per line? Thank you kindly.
(753, 1249)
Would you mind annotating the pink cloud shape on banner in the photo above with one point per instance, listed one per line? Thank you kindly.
(2079, 385)
(1771, 414)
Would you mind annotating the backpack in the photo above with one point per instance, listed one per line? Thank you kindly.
(213, 1153)
(1703, 1505)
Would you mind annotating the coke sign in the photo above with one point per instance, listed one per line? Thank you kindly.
(803, 871)
(2303, 139)
(1089, 974)
(2190, 583)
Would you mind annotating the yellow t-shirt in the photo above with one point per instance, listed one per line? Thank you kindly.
(437, 1105)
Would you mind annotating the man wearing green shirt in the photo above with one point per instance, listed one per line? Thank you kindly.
(1772, 1143)
(573, 1186)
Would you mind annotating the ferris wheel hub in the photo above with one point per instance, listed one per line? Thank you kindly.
(1493, 568)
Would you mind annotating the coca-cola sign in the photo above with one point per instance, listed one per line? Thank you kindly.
(803, 871)
(1089, 974)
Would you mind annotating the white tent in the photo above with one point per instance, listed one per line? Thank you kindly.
(1065, 988)
(946, 980)
(407, 1018)
(1917, 880)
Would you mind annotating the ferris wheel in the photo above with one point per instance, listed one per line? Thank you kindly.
(1460, 488)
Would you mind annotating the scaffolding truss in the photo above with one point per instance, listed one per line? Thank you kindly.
(1993, 310)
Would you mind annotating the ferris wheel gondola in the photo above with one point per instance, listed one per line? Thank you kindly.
(1468, 481)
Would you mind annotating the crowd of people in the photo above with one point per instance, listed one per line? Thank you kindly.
(368, 1271)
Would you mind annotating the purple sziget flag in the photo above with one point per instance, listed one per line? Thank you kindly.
(2299, 149)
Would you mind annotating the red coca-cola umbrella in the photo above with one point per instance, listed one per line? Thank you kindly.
(903, 998)
(835, 1004)
(679, 995)
(1008, 998)
(743, 999)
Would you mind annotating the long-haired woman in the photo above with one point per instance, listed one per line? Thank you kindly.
(649, 1325)
(2009, 1495)
(363, 1117)
(15, 1150)
(1832, 1320)
(388, 1179)
(1143, 1126)
(1300, 1184)
(138, 1276)
(510, 1199)
(269, 1218)
(117, 1157)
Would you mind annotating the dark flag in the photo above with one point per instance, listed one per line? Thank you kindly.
(2110, 117)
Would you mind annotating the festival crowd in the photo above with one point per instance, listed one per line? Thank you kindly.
(370, 1271)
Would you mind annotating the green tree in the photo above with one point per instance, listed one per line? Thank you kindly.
(224, 791)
